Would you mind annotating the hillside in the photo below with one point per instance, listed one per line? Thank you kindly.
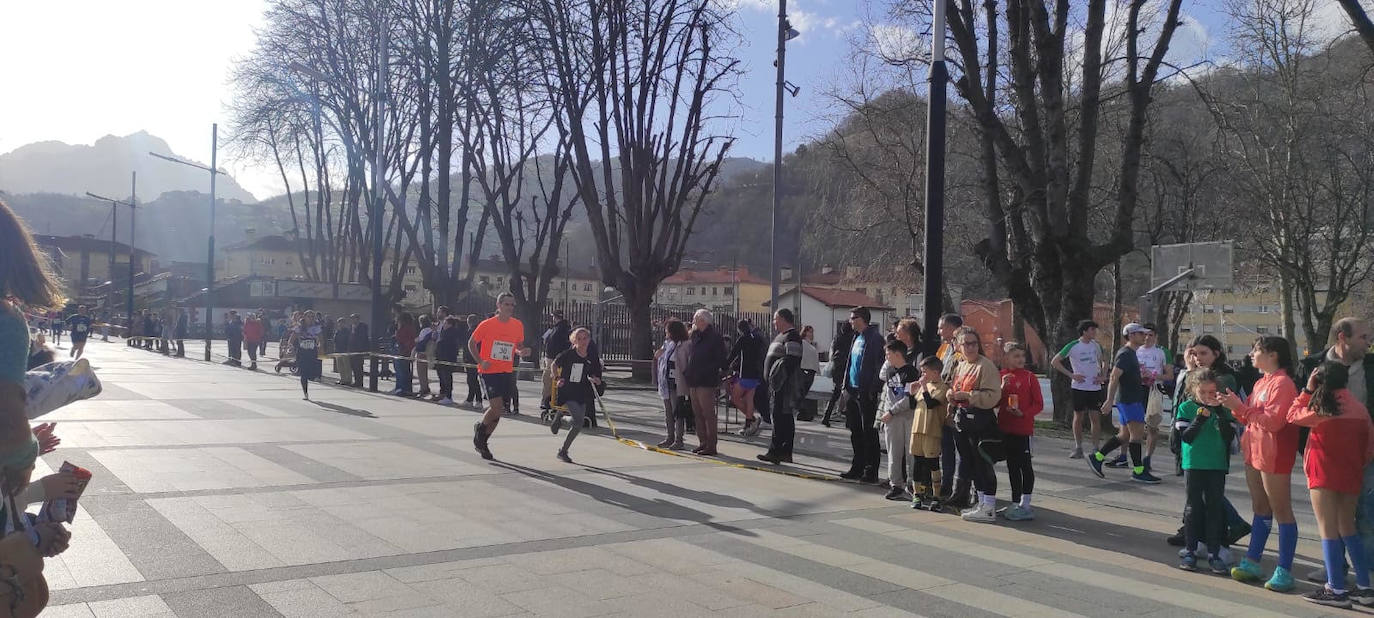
(103, 168)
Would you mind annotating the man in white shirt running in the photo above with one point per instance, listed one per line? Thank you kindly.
(1087, 366)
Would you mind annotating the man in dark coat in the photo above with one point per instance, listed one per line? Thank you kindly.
(862, 385)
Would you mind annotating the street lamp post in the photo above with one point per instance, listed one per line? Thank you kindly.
(375, 214)
(210, 261)
(933, 285)
(785, 33)
(114, 239)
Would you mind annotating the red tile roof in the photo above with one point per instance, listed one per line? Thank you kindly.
(840, 298)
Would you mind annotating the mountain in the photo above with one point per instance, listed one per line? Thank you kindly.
(103, 168)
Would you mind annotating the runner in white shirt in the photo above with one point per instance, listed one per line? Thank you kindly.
(1087, 366)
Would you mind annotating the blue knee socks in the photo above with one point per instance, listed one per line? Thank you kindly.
(1288, 544)
(1355, 547)
(1333, 554)
(1259, 536)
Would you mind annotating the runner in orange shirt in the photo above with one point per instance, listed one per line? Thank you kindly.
(494, 343)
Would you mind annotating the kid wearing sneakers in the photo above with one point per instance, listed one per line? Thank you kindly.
(1021, 401)
(927, 431)
(1206, 430)
(1338, 448)
(896, 414)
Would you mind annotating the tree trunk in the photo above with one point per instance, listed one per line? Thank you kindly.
(641, 335)
(1286, 307)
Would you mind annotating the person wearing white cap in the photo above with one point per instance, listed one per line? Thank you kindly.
(1128, 389)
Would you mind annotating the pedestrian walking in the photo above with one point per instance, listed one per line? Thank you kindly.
(233, 333)
(305, 340)
(1127, 386)
(80, 326)
(254, 332)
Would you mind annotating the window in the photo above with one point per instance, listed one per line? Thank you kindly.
(1185, 329)
(715, 291)
(1263, 330)
(411, 288)
(1209, 309)
(703, 290)
(562, 284)
(691, 291)
(1228, 308)
(862, 290)
(672, 291)
(729, 291)
(288, 261)
(1265, 309)
(410, 270)
(586, 287)
(484, 279)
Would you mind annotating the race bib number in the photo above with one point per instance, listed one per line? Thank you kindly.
(575, 373)
(502, 351)
(307, 344)
(80, 328)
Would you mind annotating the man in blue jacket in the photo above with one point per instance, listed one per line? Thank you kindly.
(862, 385)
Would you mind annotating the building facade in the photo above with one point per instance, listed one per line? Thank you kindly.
(83, 262)
(731, 289)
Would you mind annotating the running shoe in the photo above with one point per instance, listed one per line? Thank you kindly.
(1218, 566)
(1096, 464)
(1280, 581)
(1363, 596)
(1076, 453)
(556, 424)
(1145, 477)
(1119, 462)
(479, 440)
(1175, 539)
(1328, 597)
(1246, 571)
(896, 493)
(935, 505)
(563, 457)
(1188, 561)
(1016, 512)
(918, 502)
(982, 514)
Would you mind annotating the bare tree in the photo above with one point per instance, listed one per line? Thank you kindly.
(1359, 18)
(635, 84)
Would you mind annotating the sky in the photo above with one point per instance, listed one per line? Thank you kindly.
(78, 70)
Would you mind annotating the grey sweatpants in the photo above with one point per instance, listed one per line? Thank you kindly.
(898, 443)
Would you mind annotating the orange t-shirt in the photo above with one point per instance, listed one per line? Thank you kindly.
(498, 342)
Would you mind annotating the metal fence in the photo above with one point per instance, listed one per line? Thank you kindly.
(615, 328)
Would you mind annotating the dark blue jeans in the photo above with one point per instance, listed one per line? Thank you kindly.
(402, 368)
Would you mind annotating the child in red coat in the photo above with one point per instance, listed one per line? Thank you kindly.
(1341, 443)
(1021, 401)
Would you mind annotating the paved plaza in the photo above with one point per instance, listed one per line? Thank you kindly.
(220, 492)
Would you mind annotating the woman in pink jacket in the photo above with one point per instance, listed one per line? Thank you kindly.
(1270, 445)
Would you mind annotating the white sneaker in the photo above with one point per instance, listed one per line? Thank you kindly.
(980, 514)
(445, 402)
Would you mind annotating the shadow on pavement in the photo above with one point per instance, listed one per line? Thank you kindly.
(334, 407)
(605, 495)
(705, 497)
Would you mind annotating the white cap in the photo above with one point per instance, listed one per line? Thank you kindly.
(1133, 328)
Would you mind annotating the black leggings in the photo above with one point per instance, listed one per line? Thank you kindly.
(973, 464)
(1204, 518)
(925, 476)
(305, 384)
(1019, 469)
(445, 382)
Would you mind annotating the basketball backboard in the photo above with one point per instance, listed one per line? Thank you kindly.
(1210, 261)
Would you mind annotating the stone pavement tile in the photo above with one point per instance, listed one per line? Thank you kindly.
(167, 470)
(396, 605)
(440, 571)
(220, 540)
(670, 556)
(152, 542)
(578, 559)
(558, 601)
(923, 604)
(685, 588)
(227, 602)
(102, 409)
(299, 464)
(202, 432)
(501, 579)
(355, 587)
(72, 610)
(95, 560)
(310, 602)
(746, 589)
(132, 607)
(385, 460)
(599, 584)
(651, 603)
(466, 598)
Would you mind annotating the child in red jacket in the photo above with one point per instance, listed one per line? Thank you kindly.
(1021, 401)
(1339, 447)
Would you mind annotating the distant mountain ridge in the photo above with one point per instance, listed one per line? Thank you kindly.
(103, 168)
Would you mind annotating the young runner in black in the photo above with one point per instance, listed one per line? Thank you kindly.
(80, 325)
(576, 372)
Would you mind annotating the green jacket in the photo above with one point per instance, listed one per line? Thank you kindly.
(1206, 443)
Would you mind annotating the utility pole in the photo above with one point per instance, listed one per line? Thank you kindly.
(114, 240)
(133, 213)
(933, 279)
(784, 33)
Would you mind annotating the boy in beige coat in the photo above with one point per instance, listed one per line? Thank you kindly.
(927, 428)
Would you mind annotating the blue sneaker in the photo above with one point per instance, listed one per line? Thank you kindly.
(1095, 462)
(1218, 566)
(1247, 571)
(1188, 562)
(1119, 462)
(1145, 477)
(1280, 581)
